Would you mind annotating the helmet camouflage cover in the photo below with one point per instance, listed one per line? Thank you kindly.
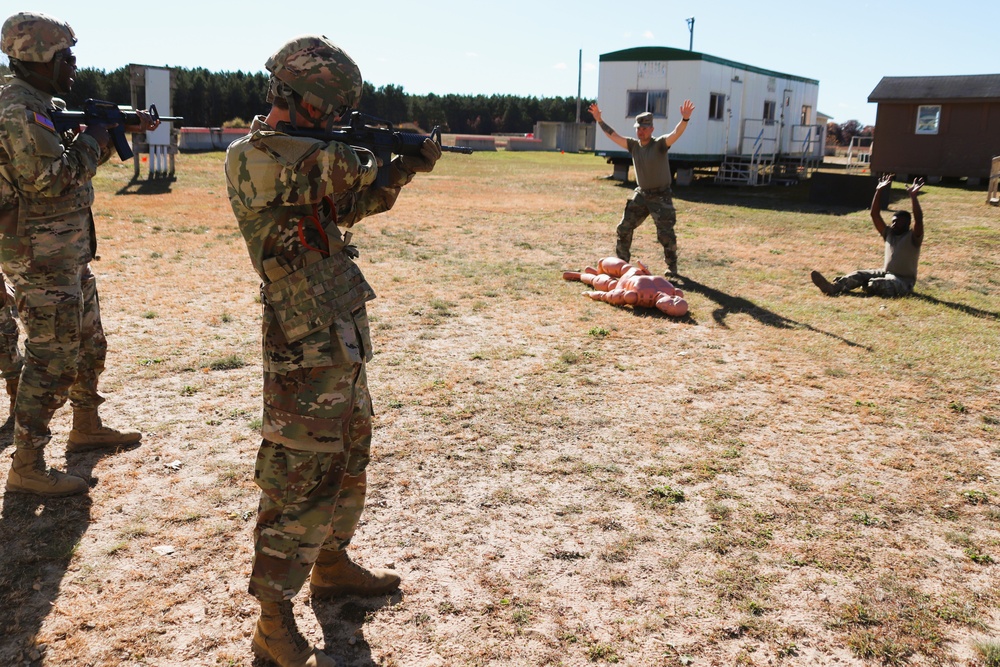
(34, 37)
(318, 71)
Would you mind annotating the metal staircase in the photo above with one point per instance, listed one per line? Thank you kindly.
(752, 167)
(761, 163)
(746, 170)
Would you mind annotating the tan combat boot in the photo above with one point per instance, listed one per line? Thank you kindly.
(28, 475)
(277, 639)
(89, 433)
(335, 574)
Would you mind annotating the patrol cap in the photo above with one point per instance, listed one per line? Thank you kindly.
(34, 37)
(318, 71)
(644, 119)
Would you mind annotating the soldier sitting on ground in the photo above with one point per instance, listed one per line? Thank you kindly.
(902, 251)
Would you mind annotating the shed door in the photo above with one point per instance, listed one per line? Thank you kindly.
(735, 115)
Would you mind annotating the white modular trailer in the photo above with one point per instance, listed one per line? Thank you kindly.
(740, 110)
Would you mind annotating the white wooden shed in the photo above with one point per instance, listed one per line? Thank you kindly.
(754, 125)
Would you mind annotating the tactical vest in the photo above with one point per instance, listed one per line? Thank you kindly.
(312, 297)
(43, 208)
(327, 285)
(35, 206)
(19, 211)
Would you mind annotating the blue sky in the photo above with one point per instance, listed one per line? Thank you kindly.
(531, 48)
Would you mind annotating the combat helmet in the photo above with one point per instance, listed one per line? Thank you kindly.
(30, 37)
(318, 72)
(35, 38)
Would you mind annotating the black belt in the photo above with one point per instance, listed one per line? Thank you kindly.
(656, 192)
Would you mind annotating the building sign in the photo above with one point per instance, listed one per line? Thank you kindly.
(652, 68)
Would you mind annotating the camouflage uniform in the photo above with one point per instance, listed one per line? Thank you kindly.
(11, 360)
(875, 282)
(46, 244)
(317, 409)
(644, 203)
(654, 200)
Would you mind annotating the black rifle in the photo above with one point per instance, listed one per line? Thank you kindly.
(376, 135)
(99, 112)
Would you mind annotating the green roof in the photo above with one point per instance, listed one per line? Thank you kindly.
(666, 53)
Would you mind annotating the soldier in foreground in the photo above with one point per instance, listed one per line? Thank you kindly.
(47, 241)
(653, 177)
(902, 251)
(292, 196)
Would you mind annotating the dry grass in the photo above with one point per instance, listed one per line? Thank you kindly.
(780, 478)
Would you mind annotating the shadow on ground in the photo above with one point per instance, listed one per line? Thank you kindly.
(793, 198)
(38, 537)
(343, 622)
(729, 304)
(153, 186)
(960, 307)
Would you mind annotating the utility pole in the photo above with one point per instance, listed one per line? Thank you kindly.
(690, 22)
(579, 80)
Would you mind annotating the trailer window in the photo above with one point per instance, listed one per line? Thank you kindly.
(716, 106)
(657, 103)
(640, 101)
(928, 118)
(807, 112)
(769, 107)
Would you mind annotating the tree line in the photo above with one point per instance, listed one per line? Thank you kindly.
(841, 135)
(217, 99)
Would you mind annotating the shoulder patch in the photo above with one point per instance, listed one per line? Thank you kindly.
(40, 119)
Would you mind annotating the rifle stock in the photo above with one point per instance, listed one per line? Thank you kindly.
(376, 135)
(100, 112)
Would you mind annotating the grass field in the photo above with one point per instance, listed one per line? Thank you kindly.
(780, 478)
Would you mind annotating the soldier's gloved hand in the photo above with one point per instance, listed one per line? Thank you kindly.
(429, 154)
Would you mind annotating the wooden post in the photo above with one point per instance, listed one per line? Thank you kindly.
(993, 197)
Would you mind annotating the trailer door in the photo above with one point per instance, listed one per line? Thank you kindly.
(787, 121)
(735, 115)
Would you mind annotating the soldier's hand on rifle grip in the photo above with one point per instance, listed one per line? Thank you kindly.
(429, 154)
(100, 132)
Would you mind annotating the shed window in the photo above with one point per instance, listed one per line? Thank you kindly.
(928, 118)
(716, 106)
(640, 101)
